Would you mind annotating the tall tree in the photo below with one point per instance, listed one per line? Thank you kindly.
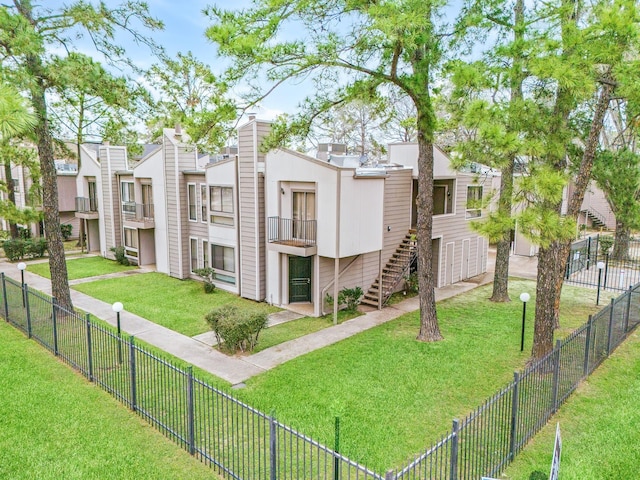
(351, 49)
(36, 44)
(191, 95)
(16, 121)
(580, 64)
(488, 99)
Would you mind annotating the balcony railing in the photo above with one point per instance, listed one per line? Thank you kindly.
(137, 212)
(86, 205)
(296, 233)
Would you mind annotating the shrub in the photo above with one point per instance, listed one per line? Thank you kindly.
(411, 282)
(350, 297)
(66, 230)
(239, 329)
(206, 274)
(14, 249)
(24, 233)
(35, 247)
(605, 244)
(120, 256)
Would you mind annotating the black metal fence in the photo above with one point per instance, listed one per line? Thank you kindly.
(590, 264)
(241, 442)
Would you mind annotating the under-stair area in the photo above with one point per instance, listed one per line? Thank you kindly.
(394, 272)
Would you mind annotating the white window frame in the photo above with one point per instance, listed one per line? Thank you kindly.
(128, 201)
(131, 251)
(221, 274)
(192, 241)
(204, 202)
(471, 213)
(205, 254)
(190, 198)
(225, 216)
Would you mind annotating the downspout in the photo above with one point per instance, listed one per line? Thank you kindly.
(178, 211)
(238, 253)
(256, 207)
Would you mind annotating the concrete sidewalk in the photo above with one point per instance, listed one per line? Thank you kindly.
(238, 369)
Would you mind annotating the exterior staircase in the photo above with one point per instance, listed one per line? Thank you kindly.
(393, 273)
(597, 219)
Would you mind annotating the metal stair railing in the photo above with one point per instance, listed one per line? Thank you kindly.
(386, 293)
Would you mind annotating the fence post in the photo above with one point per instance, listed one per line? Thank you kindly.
(54, 319)
(190, 414)
(588, 252)
(606, 270)
(272, 448)
(390, 475)
(556, 375)
(89, 348)
(587, 348)
(626, 314)
(132, 372)
(336, 460)
(454, 449)
(25, 299)
(514, 415)
(4, 297)
(610, 331)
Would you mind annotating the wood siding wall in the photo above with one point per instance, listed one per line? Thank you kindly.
(251, 211)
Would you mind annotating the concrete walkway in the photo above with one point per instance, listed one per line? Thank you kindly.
(238, 369)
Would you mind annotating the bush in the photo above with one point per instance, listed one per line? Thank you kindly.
(350, 297)
(120, 256)
(605, 244)
(239, 329)
(35, 247)
(411, 282)
(207, 276)
(66, 230)
(24, 233)
(14, 249)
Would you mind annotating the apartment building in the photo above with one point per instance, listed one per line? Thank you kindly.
(281, 226)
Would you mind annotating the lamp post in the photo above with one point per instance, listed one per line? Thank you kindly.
(22, 266)
(600, 266)
(524, 298)
(118, 307)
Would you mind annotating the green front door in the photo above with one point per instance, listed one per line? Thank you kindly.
(299, 279)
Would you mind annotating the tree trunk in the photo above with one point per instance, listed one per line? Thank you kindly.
(11, 195)
(552, 260)
(622, 241)
(429, 329)
(57, 264)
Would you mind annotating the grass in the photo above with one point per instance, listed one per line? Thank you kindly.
(54, 424)
(395, 396)
(82, 267)
(284, 332)
(176, 304)
(600, 425)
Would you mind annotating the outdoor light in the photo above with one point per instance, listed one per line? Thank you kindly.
(524, 298)
(22, 266)
(118, 307)
(600, 266)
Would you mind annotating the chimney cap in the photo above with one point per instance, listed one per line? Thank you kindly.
(178, 130)
(252, 116)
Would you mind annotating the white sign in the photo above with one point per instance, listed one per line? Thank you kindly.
(557, 451)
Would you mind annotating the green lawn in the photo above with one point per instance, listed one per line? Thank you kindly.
(396, 396)
(54, 424)
(176, 304)
(600, 426)
(82, 267)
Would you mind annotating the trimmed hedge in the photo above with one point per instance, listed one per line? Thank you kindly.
(18, 248)
(236, 329)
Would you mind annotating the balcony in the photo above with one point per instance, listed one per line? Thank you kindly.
(86, 208)
(295, 237)
(136, 215)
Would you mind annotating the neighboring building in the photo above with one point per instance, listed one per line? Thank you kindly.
(280, 227)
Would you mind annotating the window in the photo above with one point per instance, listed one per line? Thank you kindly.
(16, 185)
(131, 242)
(221, 205)
(474, 201)
(193, 250)
(304, 214)
(205, 254)
(223, 261)
(93, 196)
(127, 194)
(191, 199)
(203, 202)
(443, 194)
